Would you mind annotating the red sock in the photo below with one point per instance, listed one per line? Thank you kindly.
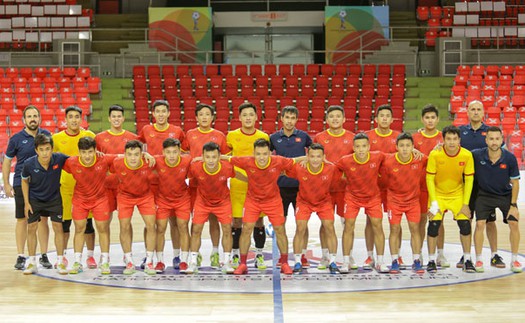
(243, 259)
(284, 259)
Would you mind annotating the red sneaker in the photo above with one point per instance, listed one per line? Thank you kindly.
(91, 263)
(160, 267)
(304, 262)
(183, 267)
(285, 269)
(241, 270)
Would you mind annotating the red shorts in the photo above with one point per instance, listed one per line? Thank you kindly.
(372, 208)
(145, 204)
(202, 210)
(111, 194)
(303, 211)
(193, 195)
(384, 200)
(412, 212)
(423, 201)
(338, 202)
(80, 210)
(179, 209)
(272, 208)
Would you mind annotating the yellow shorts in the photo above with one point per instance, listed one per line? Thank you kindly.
(66, 191)
(452, 204)
(238, 190)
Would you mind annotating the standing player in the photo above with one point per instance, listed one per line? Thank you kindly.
(425, 141)
(361, 170)
(338, 142)
(66, 142)
(134, 190)
(291, 142)
(498, 177)
(41, 192)
(314, 196)
(89, 195)
(382, 139)
(262, 197)
(450, 175)
(213, 197)
(402, 173)
(193, 142)
(241, 142)
(173, 199)
(153, 135)
(22, 146)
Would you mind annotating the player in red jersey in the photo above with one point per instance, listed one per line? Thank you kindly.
(134, 190)
(361, 170)
(213, 197)
(263, 196)
(314, 196)
(338, 142)
(89, 195)
(382, 139)
(112, 141)
(425, 141)
(193, 142)
(173, 200)
(153, 136)
(402, 174)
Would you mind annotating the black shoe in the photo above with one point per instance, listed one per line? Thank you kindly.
(460, 263)
(468, 267)
(143, 264)
(44, 261)
(431, 266)
(20, 263)
(497, 261)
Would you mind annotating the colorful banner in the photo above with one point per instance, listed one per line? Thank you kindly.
(353, 28)
(183, 30)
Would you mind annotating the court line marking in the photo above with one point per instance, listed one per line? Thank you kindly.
(278, 313)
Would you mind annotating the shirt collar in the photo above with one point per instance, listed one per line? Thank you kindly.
(482, 128)
(294, 133)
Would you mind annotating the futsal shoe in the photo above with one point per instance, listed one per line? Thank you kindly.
(431, 267)
(298, 268)
(241, 270)
(285, 269)
(382, 268)
(105, 269)
(460, 263)
(44, 261)
(62, 269)
(333, 268)
(401, 263)
(143, 263)
(468, 266)
(323, 264)
(130, 269)
(192, 269)
(176, 262)
(417, 267)
(160, 267)
(497, 261)
(227, 268)
(236, 261)
(353, 264)
(479, 267)
(215, 261)
(91, 263)
(516, 267)
(442, 261)
(183, 267)
(76, 269)
(345, 268)
(369, 263)
(259, 262)
(20, 263)
(304, 262)
(30, 269)
(394, 268)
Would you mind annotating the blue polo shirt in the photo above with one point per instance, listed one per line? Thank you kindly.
(495, 178)
(44, 185)
(473, 139)
(22, 146)
(293, 146)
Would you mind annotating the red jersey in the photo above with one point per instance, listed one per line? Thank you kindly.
(196, 138)
(361, 178)
(90, 180)
(383, 143)
(212, 187)
(133, 183)
(262, 182)
(173, 178)
(154, 138)
(426, 144)
(403, 179)
(335, 147)
(111, 143)
(314, 188)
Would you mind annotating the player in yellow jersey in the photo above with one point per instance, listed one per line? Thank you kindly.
(241, 141)
(450, 176)
(66, 142)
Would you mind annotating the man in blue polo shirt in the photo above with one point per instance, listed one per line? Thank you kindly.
(473, 137)
(41, 191)
(21, 146)
(290, 142)
(497, 176)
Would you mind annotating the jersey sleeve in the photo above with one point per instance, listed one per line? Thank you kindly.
(230, 171)
(469, 167)
(240, 162)
(292, 172)
(185, 145)
(141, 135)
(309, 141)
(67, 166)
(288, 163)
(26, 172)
(514, 170)
(228, 140)
(224, 146)
(431, 174)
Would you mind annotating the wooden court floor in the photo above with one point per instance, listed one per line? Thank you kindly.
(39, 299)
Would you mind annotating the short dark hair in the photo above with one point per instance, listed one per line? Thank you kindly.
(211, 146)
(86, 143)
(384, 107)
(451, 129)
(116, 107)
(247, 105)
(404, 136)
(29, 107)
(170, 142)
(42, 139)
(361, 135)
(261, 143)
(429, 108)
(133, 144)
(158, 103)
(290, 109)
(495, 129)
(73, 108)
(201, 106)
(316, 146)
(335, 108)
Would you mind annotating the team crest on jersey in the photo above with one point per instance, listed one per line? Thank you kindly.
(352, 169)
(143, 172)
(273, 170)
(482, 162)
(305, 178)
(106, 139)
(324, 178)
(213, 138)
(98, 167)
(297, 139)
(79, 171)
(415, 166)
(222, 178)
(395, 170)
(484, 133)
(162, 170)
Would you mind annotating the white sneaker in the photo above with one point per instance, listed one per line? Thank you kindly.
(345, 268)
(62, 269)
(353, 264)
(227, 268)
(30, 269)
(369, 263)
(382, 268)
(192, 268)
(323, 264)
(442, 262)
